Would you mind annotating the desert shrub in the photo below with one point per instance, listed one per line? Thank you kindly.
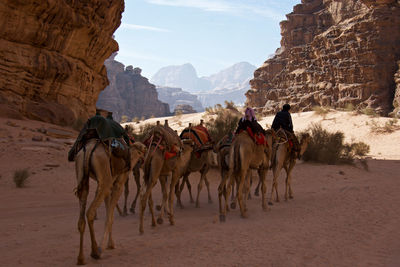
(368, 111)
(328, 147)
(124, 119)
(389, 127)
(321, 111)
(349, 107)
(231, 106)
(143, 132)
(225, 122)
(20, 177)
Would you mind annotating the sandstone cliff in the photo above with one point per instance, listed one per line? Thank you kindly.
(52, 54)
(335, 53)
(129, 93)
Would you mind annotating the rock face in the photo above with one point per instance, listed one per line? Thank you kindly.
(333, 53)
(184, 109)
(176, 96)
(129, 93)
(52, 54)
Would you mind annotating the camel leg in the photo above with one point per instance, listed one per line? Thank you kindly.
(189, 187)
(288, 189)
(174, 179)
(257, 190)
(222, 190)
(82, 222)
(246, 189)
(111, 202)
(178, 191)
(126, 193)
(136, 174)
(262, 175)
(241, 180)
(103, 189)
(164, 200)
(151, 208)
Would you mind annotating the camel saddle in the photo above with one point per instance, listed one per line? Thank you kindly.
(199, 135)
(100, 128)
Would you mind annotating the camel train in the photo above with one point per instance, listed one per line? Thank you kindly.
(166, 157)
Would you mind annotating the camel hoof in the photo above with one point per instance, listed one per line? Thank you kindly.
(256, 193)
(112, 246)
(96, 256)
(80, 261)
(197, 205)
(244, 216)
(160, 221)
(210, 201)
(233, 205)
(270, 203)
(141, 231)
(132, 210)
(158, 207)
(222, 218)
(290, 197)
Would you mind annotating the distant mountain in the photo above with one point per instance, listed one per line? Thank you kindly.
(229, 84)
(176, 96)
(236, 76)
(183, 76)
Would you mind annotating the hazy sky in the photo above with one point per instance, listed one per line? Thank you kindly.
(209, 34)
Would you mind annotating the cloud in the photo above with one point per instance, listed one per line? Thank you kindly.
(235, 7)
(142, 27)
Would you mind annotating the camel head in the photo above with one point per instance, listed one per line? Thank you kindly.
(305, 139)
(138, 150)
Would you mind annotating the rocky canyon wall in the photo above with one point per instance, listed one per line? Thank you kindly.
(52, 55)
(129, 93)
(333, 53)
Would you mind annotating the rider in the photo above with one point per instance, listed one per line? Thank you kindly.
(283, 120)
(249, 120)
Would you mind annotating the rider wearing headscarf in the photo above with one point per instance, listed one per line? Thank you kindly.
(249, 120)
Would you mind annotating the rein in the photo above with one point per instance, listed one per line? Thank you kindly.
(286, 138)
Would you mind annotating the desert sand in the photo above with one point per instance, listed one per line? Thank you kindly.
(341, 215)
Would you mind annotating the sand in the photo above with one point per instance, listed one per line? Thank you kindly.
(340, 216)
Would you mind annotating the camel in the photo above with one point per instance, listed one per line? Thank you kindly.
(156, 167)
(95, 160)
(244, 154)
(201, 164)
(285, 158)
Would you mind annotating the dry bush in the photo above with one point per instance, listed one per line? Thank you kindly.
(143, 132)
(20, 177)
(327, 147)
(231, 106)
(349, 107)
(124, 119)
(225, 122)
(389, 127)
(321, 111)
(369, 112)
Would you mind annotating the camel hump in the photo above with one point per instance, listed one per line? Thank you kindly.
(169, 136)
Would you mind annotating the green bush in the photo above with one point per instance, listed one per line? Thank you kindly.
(20, 177)
(327, 147)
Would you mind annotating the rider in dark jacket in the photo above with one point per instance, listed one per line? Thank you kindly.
(283, 120)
